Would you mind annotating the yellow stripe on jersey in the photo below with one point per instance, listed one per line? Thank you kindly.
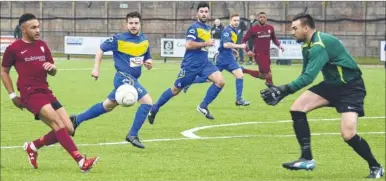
(234, 37)
(318, 42)
(133, 49)
(340, 70)
(203, 34)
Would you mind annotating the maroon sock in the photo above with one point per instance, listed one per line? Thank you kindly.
(268, 79)
(66, 141)
(253, 73)
(46, 140)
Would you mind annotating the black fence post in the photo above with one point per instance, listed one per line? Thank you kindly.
(161, 50)
(68, 55)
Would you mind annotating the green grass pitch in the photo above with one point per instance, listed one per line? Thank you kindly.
(240, 152)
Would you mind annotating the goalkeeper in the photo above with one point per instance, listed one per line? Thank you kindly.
(342, 88)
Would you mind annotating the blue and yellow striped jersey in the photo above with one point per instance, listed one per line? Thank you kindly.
(129, 52)
(195, 59)
(229, 34)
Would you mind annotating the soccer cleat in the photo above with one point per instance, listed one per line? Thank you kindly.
(32, 155)
(151, 116)
(242, 103)
(205, 112)
(74, 124)
(185, 89)
(300, 164)
(376, 172)
(134, 140)
(87, 164)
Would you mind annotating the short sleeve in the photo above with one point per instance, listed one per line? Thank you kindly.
(9, 58)
(110, 44)
(226, 36)
(47, 53)
(191, 34)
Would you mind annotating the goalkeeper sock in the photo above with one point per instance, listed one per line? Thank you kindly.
(302, 131)
(363, 149)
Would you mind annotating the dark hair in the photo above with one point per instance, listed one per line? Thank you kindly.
(203, 5)
(26, 17)
(305, 19)
(261, 13)
(134, 14)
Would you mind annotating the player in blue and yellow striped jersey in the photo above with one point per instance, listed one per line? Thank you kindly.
(226, 59)
(130, 51)
(195, 63)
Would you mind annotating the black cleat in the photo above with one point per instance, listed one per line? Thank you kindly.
(73, 119)
(134, 140)
(242, 103)
(300, 164)
(151, 116)
(205, 112)
(376, 172)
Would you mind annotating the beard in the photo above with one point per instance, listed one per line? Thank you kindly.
(202, 20)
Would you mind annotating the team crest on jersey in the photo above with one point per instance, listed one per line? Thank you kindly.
(192, 31)
(269, 31)
(42, 48)
(226, 34)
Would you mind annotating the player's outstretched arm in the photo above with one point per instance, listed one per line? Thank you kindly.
(7, 81)
(197, 45)
(97, 63)
(233, 45)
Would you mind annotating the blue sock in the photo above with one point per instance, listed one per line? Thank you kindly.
(165, 97)
(239, 88)
(139, 119)
(95, 111)
(199, 80)
(210, 95)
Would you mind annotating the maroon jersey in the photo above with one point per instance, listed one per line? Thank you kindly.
(261, 36)
(28, 59)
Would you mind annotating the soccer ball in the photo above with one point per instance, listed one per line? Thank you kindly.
(126, 95)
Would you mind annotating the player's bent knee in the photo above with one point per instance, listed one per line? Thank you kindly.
(70, 129)
(348, 134)
(146, 100)
(109, 105)
(220, 82)
(175, 90)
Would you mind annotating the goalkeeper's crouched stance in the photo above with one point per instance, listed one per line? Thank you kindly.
(342, 88)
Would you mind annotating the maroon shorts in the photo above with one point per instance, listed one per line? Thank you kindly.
(34, 98)
(264, 62)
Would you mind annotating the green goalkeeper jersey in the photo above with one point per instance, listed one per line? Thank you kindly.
(327, 54)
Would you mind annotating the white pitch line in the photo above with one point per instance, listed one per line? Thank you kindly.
(190, 132)
(201, 138)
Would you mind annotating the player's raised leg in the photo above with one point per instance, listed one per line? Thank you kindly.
(308, 101)
(218, 83)
(184, 79)
(94, 111)
(253, 73)
(198, 80)
(238, 73)
(140, 116)
(50, 117)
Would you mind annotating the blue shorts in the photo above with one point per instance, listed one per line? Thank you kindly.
(228, 65)
(121, 78)
(186, 78)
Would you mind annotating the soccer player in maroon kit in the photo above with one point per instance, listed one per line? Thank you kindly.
(261, 35)
(32, 60)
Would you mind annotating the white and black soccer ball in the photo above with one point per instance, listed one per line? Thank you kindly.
(126, 95)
